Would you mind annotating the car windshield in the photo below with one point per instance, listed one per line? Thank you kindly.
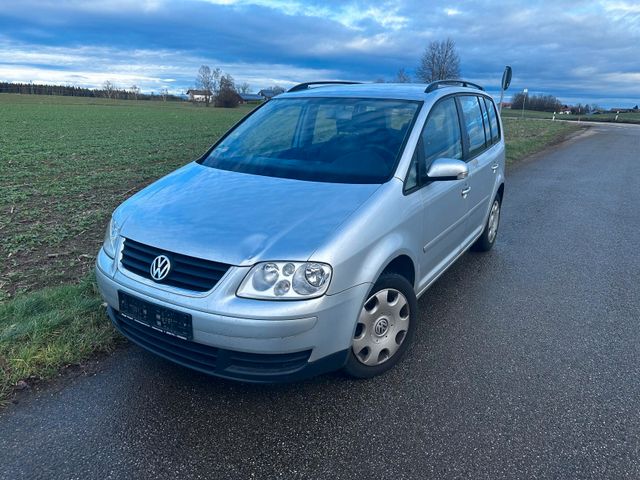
(338, 140)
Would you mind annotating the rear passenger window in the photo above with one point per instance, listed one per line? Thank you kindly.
(473, 121)
(493, 120)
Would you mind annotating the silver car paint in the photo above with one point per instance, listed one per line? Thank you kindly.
(237, 218)
(241, 219)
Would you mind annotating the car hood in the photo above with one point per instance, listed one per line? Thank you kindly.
(237, 218)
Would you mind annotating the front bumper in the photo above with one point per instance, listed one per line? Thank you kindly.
(250, 367)
(250, 340)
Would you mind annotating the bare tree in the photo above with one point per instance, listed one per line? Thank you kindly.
(402, 76)
(379, 80)
(227, 94)
(277, 90)
(207, 81)
(109, 89)
(244, 88)
(440, 61)
(164, 93)
(135, 91)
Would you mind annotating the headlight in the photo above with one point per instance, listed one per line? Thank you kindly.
(111, 238)
(286, 280)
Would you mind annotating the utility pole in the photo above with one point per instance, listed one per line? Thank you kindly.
(524, 100)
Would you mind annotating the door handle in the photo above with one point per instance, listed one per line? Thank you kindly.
(465, 192)
(494, 167)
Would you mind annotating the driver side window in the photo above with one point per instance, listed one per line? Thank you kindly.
(440, 138)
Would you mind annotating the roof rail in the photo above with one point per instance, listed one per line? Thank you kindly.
(306, 85)
(439, 83)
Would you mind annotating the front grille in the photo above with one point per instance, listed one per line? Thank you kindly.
(211, 360)
(186, 272)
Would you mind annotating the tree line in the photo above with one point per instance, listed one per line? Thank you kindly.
(108, 90)
(541, 103)
(549, 103)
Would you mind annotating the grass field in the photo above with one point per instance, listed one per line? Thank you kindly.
(525, 136)
(68, 162)
(65, 164)
(602, 117)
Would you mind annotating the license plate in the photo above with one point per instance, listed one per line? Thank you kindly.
(165, 320)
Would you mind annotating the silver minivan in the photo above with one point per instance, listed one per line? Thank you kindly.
(300, 241)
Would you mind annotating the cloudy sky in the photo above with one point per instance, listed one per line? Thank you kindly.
(585, 51)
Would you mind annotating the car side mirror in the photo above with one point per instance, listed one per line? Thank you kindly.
(448, 169)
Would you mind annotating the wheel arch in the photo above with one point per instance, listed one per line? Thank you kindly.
(402, 265)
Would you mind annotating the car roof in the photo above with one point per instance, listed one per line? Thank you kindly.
(396, 91)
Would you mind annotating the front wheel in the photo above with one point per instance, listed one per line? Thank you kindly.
(488, 237)
(385, 327)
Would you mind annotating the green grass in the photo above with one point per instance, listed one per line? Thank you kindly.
(48, 329)
(524, 137)
(65, 164)
(602, 117)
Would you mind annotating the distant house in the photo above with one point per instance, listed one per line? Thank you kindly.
(199, 95)
(251, 97)
(268, 93)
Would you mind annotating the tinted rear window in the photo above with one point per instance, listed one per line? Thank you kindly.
(473, 121)
(495, 134)
(340, 140)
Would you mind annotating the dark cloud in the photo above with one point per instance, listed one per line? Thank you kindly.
(573, 49)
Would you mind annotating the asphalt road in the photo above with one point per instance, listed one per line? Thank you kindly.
(525, 365)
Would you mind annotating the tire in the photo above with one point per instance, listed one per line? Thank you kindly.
(386, 323)
(490, 232)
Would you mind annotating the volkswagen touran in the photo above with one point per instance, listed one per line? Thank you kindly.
(300, 241)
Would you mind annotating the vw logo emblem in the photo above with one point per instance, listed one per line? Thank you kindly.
(160, 267)
(381, 327)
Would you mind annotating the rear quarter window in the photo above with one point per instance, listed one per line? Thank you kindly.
(493, 120)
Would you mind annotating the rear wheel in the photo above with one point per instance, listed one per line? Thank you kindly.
(488, 237)
(385, 327)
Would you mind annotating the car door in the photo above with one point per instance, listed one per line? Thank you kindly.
(481, 158)
(444, 202)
